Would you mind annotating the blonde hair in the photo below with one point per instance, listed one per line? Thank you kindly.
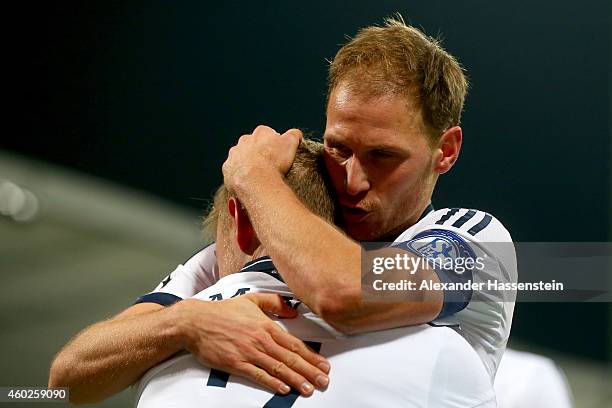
(400, 59)
(306, 177)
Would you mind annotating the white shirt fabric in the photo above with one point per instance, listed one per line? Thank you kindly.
(486, 320)
(194, 275)
(526, 380)
(419, 366)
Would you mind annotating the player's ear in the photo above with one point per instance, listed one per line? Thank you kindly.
(245, 233)
(447, 150)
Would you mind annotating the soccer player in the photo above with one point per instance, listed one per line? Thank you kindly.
(394, 105)
(395, 99)
(414, 366)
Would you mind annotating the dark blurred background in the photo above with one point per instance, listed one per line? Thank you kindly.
(150, 96)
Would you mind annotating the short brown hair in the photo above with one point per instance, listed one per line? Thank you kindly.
(307, 177)
(400, 59)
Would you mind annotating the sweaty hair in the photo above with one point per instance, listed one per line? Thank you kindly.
(306, 177)
(399, 59)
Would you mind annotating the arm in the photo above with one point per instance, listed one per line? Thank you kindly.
(232, 335)
(108, 356)
(323, 266)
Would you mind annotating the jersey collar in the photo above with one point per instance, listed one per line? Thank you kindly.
(428, 209)
(263, 264)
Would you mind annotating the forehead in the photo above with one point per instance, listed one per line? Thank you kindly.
(372, 119)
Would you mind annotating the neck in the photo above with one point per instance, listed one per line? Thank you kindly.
(259, 252)
(394, 233)
(233, 262)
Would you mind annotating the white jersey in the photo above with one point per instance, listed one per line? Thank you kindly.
(419, 366)
(526, 380)
(194, 275)
(484, 322)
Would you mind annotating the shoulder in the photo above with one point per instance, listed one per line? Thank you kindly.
(472, 224)
(196, 273)
(466, 230)
(203, 258)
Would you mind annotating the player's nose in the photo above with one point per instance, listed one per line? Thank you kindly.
(356, 177)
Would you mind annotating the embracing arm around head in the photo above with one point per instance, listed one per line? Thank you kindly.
(325, 272)
(319, 262)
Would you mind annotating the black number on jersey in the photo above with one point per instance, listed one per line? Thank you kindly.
(218, 378)
(239, 292)
(166, 281)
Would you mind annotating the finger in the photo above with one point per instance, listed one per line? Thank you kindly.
(280, 370)
(262, 378)
(272, 303)
(296, 364)
(264, 129)
(295, 345)
(295, 135)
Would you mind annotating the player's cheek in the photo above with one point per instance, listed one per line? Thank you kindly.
(336, 172)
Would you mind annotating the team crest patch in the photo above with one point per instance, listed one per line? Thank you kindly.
(439, 245)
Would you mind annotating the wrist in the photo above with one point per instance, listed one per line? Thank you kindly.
(254, 179)
(180, 329)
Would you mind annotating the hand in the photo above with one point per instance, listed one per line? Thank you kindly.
(236, 336)
(265, 149)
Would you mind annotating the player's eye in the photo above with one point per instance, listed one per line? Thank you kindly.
(382, 154)
(339, 153)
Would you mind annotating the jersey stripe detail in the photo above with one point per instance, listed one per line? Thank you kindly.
(465, 218)
(264, 265)
(259, 265)
(486, 220)
(161, 298)
(447, 216)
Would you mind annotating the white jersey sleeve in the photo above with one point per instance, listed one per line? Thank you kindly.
(194, 275)
(484, 316)
(526, 380)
